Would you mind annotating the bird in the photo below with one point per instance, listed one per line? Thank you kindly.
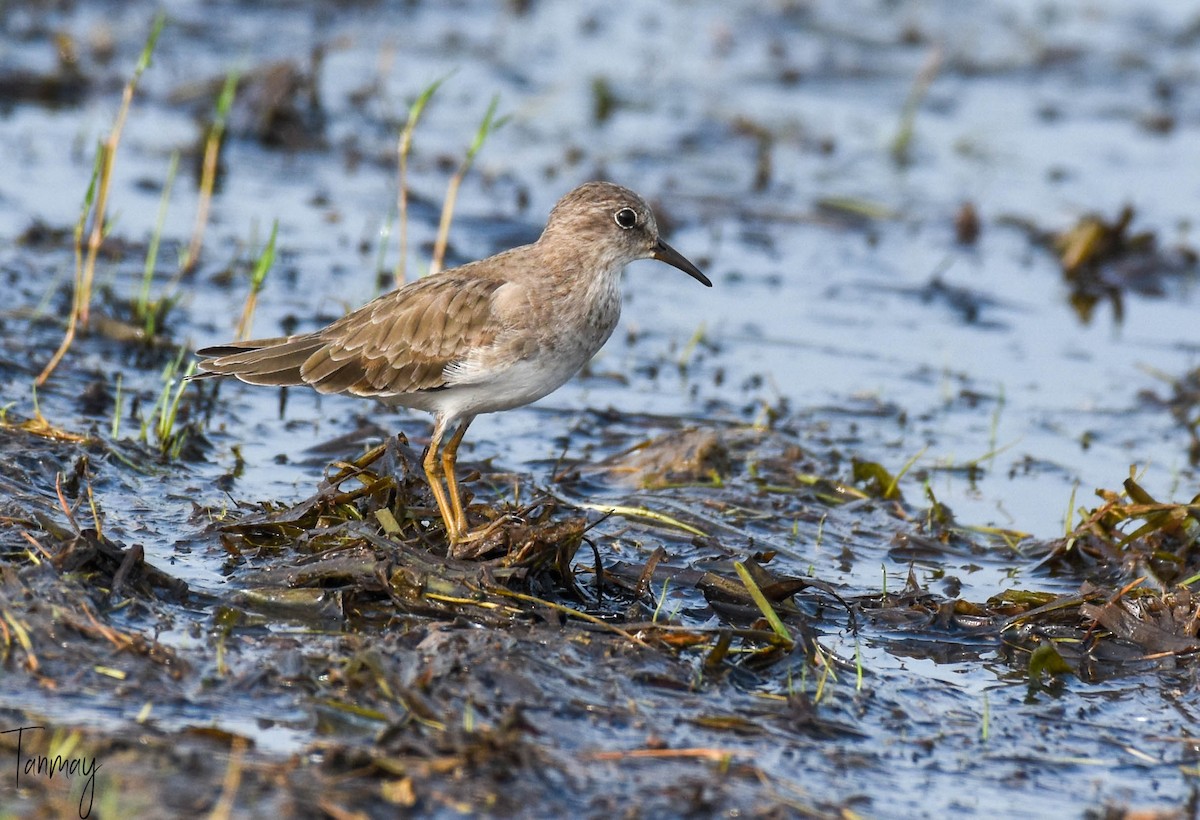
(483, 337)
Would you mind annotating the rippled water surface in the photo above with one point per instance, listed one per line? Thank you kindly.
(849, 318)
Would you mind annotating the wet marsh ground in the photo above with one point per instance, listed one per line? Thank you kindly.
(898, 519)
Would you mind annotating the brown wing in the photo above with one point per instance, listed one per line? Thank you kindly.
(399, 343)
(260, 361)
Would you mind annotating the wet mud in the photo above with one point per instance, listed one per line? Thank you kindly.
(856, 533)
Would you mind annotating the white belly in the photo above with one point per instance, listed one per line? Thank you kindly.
(529, 361)
(488, 389)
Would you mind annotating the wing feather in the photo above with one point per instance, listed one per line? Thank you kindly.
(408, 340)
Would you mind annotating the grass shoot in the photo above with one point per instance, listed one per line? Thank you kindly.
(490, 124)
(96, 203)
(208, 172)
(258, 276)
(144, 311)
(118, 401)
(902, 142)
(159, 427)
(764, 605)
(403, 148)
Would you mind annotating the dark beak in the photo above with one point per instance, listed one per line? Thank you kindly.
(665, 253)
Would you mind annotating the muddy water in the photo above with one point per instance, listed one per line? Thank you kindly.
(849, 320)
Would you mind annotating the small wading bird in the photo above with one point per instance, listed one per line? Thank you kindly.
(487, 336)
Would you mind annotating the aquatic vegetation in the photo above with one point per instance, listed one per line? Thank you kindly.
(489, 124)
(151, 313)
(95, 204)
(208, 170)
(678, 609)
(258, 277)
(160, 426)
(403, 148)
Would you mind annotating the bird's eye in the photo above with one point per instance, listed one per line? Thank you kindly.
(626, 218)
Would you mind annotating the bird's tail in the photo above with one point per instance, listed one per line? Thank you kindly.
(259, 361)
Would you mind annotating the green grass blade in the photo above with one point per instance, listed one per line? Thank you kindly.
(768, 611)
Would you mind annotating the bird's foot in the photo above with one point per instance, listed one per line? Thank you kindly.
(474, 543)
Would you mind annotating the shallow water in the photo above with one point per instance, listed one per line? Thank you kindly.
(880, 336)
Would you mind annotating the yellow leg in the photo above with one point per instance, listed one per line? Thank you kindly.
(433, 473)
(449, 461)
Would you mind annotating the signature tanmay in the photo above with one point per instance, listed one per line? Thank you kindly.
(66, 768)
